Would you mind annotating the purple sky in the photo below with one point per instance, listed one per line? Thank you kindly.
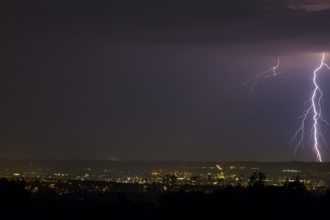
(158, 80)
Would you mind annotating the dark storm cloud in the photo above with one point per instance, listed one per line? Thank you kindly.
(149, 79)
(176, 22)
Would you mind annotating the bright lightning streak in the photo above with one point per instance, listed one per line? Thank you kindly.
(316, 110)
(272, 72)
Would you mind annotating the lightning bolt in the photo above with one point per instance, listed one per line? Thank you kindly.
(272, 72)
(314, 109)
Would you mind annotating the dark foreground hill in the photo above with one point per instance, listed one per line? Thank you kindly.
(228, 203)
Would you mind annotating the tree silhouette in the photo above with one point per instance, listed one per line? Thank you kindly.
(257, 179)
(296, 185)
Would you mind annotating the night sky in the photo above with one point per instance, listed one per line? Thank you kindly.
(159, 80)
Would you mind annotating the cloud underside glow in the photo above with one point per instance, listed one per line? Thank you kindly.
(310, 5)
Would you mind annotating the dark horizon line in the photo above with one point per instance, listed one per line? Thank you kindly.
(156, 161)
